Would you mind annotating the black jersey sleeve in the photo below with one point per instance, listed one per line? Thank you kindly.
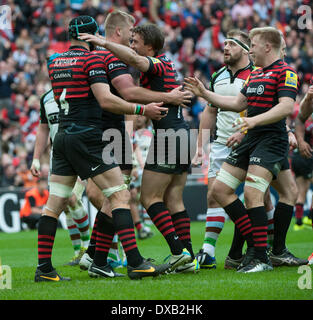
(288, 83)
(95, 69)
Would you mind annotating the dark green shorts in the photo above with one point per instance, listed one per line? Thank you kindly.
(80, 151)
(170, 154)
(268, 150)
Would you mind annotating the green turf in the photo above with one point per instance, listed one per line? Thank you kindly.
(19, 252)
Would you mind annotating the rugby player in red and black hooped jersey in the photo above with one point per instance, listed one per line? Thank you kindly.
(80, 87)
(269, 96)
(118, 26)
(163, 198)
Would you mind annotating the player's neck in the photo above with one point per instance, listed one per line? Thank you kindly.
(241, 64)
(79, 43)
(270, 59)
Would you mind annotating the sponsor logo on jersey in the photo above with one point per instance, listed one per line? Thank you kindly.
(65, 62)
(114, 65)
(291, 79)
(98, 72)
(67, 74)
(155, 60)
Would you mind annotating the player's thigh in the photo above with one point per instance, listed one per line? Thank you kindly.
(173, 196)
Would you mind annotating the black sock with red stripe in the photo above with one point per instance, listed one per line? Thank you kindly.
(47, 228)
(258, 219)
(123, 225)
(163, 221)
(93, 239)
(105, 234)
(181, 222)
(238, 214)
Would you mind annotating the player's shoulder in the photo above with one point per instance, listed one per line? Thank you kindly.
(285, 66)
(218, 72)
(162, 58)
(47, 96)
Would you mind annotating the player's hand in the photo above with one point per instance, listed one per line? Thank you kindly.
(154, 111)
(198, 158)
(179, 97)
(305, 149)
(195, 86)
(234, 140)
(35, 168)
(293, 144)
(242, 124)
(94, 39)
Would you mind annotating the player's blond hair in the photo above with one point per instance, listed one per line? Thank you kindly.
(115, 19)
(268, 34)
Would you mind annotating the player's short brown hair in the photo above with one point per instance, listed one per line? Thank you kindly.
(268, 34)
(151, 35)
(244, 37)
(115, 19)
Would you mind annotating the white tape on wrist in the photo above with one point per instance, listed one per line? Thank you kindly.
(36, 164)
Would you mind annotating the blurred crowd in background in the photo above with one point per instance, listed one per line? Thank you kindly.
(195, 31)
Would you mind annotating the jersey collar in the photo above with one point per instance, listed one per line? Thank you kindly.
(78, 48)
(271, 65)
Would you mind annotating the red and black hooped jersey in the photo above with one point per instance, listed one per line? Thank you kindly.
(162, 76)
(264, 88)
(71, 74)
(114, 68)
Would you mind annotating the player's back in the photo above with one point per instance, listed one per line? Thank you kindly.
(71, 74)
(162, 76)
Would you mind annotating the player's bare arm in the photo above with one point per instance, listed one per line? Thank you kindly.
(228, 103)
(114, 104)
(282, 110)
(124, 84)
(40, 145)
(126, 54)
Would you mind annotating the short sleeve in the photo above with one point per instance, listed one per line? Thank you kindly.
(115, 68)
(95, 70)
(288, 84)
(43, 116)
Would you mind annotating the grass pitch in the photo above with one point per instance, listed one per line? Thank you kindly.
(19, 252)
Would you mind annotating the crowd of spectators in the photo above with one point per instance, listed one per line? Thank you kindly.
(195, 31)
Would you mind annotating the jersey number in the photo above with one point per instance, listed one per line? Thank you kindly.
(64, 104)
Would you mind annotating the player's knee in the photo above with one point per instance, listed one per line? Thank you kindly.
(119, 198)
(72, 201)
